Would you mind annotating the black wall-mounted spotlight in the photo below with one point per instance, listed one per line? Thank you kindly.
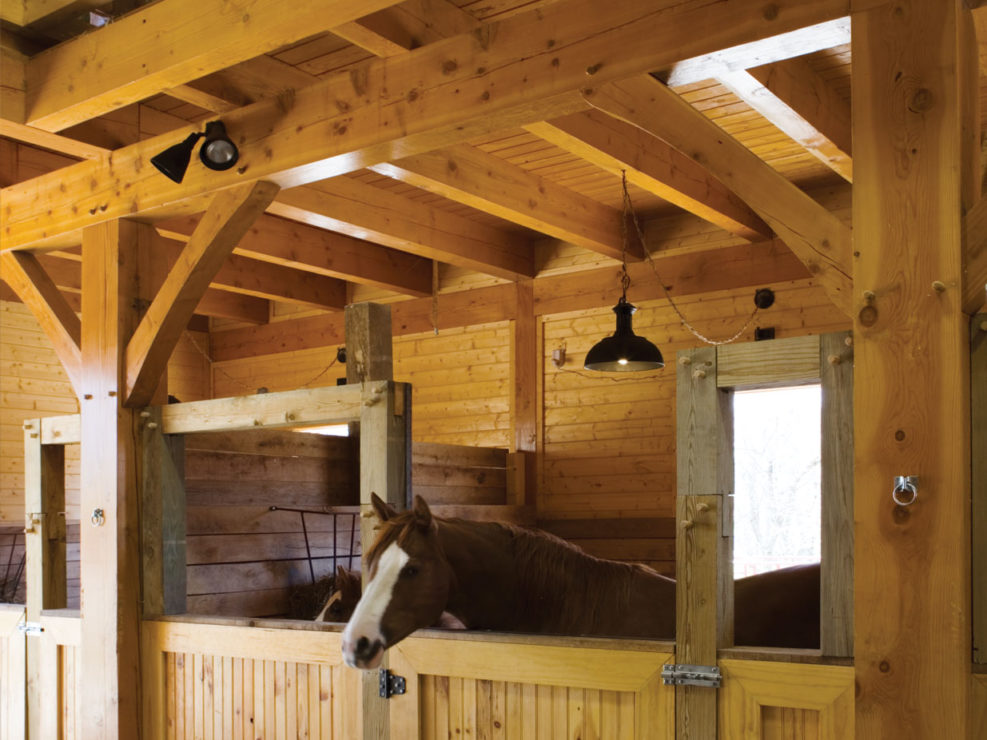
(218, 152)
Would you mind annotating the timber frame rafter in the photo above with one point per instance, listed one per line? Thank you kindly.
(387, 160)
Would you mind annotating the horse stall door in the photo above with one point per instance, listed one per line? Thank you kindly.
(531, 688)
(763, 700)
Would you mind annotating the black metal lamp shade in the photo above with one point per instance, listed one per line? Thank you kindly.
(625, 351)
(173, 161)
(218, 152)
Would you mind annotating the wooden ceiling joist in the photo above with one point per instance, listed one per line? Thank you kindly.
(288, 243)
(803, 105)
(63, 90)
(406, 26)
(24, 273)
(444, 93)
(807, 40)
(816, 236)
(46, 140)
(470, 176)
(222, 226)
(364, 211)
(653, 165)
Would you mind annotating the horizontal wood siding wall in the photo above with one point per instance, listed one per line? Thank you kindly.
(243, 559)
(33, 385)
(609, 441)
(460, 384)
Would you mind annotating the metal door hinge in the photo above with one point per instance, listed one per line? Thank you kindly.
(33, 629)
(683, 674)
(390, 684)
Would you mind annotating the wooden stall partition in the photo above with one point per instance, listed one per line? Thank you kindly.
(978, 705)
(231, 680)
(59, 674)
(978, 444)
(762, 700)
(531, 687)
(13, 673)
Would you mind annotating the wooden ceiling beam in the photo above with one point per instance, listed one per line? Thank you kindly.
(825, 35)
(24, 273)
(66, 272)
(95, 73)
(975, 259)
(513, 73)
(653, 165)
(406, 26)
(470, 176)
(744, 265)
(26, 12)
(222, 226)
(364, 211)
(47, 140)
(288, 243)
(816, 236)
(801, 104)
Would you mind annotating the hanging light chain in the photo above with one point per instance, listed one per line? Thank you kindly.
(626, 281)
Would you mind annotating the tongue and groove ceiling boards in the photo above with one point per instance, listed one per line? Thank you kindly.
(484, 138)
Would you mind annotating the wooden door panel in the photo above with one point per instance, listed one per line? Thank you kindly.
(785, 701)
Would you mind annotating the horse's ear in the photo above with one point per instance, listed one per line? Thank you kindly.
(341, 574)
(423, 515)
(383, 509)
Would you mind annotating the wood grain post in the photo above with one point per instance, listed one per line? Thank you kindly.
(526, 398)
(836, 596)
(912, 622)
(109, 695)
(44, 545)
(978, 439)
(162, 478)
(384, 451)
(704, 544)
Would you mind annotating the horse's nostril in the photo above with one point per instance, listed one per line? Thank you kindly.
(361, 645)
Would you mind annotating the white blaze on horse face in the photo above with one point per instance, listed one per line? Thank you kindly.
(332, 600)
(365, 622)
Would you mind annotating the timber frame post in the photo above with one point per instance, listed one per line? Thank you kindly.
(385, 451)
(916, 172)
(704, 541)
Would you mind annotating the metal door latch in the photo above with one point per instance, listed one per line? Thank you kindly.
(683, 674)
(390, 684)
(32, 629)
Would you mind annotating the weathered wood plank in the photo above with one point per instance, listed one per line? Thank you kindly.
(836, 454)
(978, 443)
(759, 364)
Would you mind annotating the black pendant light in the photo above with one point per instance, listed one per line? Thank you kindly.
(625, 351)
(218, 152)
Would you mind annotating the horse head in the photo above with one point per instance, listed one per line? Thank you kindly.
(408, 584)
(344, 597)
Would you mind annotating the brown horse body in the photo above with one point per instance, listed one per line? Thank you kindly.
(495, 576)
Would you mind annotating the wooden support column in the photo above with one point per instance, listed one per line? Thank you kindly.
(836, 597)
(912, 157)
(978, 439)
(385, 450)
(704, 544)
(44, 543)
(163, 559)
(526, 369)
(109, 696)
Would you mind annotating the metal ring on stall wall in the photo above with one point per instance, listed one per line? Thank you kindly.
(905, 484)
(97, 518)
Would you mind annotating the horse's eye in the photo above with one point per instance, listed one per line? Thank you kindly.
(409, 571)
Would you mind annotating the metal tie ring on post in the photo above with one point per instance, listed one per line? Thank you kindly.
(907, 485)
